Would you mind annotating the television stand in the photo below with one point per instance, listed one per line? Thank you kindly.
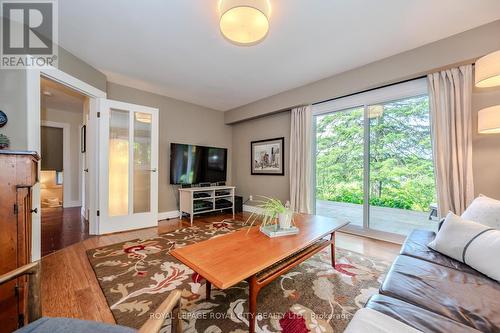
(199, 200)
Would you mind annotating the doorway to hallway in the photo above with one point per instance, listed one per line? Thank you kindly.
(64, 114)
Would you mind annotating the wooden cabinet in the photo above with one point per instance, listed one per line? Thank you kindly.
(18, 173)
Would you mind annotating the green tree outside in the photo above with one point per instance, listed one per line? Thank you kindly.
(401, 166)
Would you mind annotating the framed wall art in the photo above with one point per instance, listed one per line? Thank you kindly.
(268, 157)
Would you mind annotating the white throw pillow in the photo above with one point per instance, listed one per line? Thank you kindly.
(484, 210)
(474, 244)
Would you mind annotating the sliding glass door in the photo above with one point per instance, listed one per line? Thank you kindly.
(339, 164)
(401, 173)
(374, 162)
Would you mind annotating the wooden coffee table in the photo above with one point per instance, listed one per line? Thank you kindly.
(229, 259)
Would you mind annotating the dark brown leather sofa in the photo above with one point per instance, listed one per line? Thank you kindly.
(434, 293)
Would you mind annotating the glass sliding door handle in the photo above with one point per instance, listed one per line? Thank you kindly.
(152, 170)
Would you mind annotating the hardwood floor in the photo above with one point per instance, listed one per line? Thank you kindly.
(70, 288)
(62, 227)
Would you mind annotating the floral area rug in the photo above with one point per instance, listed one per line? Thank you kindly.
(136, 276)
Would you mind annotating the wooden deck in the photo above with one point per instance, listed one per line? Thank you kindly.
(398, 221)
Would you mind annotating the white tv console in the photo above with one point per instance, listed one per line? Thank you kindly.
(189, 197)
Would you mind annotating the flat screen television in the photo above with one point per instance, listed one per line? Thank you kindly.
(190, 164)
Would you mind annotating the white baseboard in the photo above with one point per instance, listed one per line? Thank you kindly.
(168, 215)
(253, 209)
(71, 204)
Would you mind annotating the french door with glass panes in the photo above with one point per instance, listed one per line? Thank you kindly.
(128, 166)
(373, 160)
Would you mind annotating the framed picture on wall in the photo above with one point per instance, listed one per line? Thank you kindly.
(268, 157)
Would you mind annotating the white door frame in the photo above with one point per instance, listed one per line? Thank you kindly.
(33, 77)
(81, 177)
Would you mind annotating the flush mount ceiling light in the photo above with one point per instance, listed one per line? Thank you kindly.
(244, 22)
(488, 70)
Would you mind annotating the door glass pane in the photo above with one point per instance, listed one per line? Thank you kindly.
(118, 163)
(142, 162)
(339, 165)
(402, 187)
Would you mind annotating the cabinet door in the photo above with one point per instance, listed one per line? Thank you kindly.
(8, 307)
(8, 242)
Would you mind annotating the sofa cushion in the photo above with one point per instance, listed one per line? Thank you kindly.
(416, 317)
(67, 325)
(469, 242)
(473, 300)
(415, 246)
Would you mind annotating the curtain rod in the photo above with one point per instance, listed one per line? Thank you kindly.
(390, 84)
(371, 89)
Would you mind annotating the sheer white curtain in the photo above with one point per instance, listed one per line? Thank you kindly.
(300, 160)
(450, 93)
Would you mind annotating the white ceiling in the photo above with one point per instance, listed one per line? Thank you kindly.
(173, 47)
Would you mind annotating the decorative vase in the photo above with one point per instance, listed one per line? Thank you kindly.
(285, 220)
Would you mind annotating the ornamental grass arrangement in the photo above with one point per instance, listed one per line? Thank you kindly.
(274, 212)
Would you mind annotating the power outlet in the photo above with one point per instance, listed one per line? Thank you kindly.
(250, 197)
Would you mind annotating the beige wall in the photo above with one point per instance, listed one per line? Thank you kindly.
(13, 103)
(273, 126)
(486, 147)
(76, 67)
(179, 122)
(417, 62)
(72, 181)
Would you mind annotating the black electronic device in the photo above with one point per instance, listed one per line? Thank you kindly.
(190, 164)
(223, 203)
(201, 195)
(238, 204)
